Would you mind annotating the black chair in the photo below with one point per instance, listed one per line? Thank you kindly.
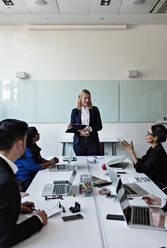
(101, 148)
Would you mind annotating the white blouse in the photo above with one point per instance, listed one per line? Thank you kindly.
(85, 118)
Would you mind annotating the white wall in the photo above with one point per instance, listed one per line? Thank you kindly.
(51, 55)
(83, 54)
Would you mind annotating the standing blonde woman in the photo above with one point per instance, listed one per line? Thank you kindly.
(86, 141)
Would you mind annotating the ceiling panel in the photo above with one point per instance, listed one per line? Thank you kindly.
(96, 8)
(50, 7)
(128, 7)
(73, 6)
(18, 7)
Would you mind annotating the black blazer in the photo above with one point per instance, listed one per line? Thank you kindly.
(154, 165)
(10, 202)
(94, 123)
(165, 207)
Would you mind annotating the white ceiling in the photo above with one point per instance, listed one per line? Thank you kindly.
(82, 12)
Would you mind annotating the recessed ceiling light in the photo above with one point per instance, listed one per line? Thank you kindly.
(41, 2)
(138, 2)
(8, 2)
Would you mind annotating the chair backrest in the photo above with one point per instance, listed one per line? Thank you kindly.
(101, 148)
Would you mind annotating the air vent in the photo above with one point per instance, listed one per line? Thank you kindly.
(8, 2)
(159, 7)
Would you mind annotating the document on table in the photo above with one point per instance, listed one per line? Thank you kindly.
(52, 211)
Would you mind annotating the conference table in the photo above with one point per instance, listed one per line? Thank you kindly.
(94, 230)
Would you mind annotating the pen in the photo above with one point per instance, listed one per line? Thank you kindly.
(34, 209)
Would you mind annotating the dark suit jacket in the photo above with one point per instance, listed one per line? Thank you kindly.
(154, 165)
(165, 207)
(94, 123)
(10, 202)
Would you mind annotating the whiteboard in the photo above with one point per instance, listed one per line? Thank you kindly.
(143, 100)
(52, 101)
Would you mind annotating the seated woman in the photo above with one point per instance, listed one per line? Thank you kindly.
(31, 162)
(154, 163)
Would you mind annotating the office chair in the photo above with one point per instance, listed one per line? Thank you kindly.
(101, 148)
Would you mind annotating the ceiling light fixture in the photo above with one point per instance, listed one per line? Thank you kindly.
(138, 2)
(8, 2)
(41, 2)
(105, 2)
(77, 27)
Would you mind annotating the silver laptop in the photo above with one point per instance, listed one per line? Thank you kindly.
(59, 187)
(59, 167)
(117, 162)
(132, 189)
(139, 217)
(113, 176)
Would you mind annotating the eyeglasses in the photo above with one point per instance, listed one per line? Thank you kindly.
(148, 133)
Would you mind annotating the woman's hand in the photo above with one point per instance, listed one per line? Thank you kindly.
(69, 126)
(52, 161)
(129, 147)
(56, 160)
(126, 146)
(86, 129)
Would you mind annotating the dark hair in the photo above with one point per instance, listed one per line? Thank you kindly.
(10, 131)
(32, 131)
(160, 132)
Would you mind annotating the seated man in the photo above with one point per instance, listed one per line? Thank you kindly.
(159, 218)
(13, 134)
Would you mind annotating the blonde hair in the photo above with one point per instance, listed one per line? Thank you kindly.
(79, 105)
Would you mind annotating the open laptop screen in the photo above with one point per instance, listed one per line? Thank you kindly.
(73, 176)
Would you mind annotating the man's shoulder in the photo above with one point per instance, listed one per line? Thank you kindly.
(5, 176)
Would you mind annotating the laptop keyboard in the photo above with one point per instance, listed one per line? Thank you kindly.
(141, 216)
(59, 189)
(129, 190)
(61, 167)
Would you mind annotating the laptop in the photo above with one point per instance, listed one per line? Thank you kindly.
(64, 166)
(59, 167)
(135, 216)
(139, 217)
(131, 189)
(117, 162)
(59, 187)
(113, 176)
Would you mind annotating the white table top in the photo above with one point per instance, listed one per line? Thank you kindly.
(89, 232)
